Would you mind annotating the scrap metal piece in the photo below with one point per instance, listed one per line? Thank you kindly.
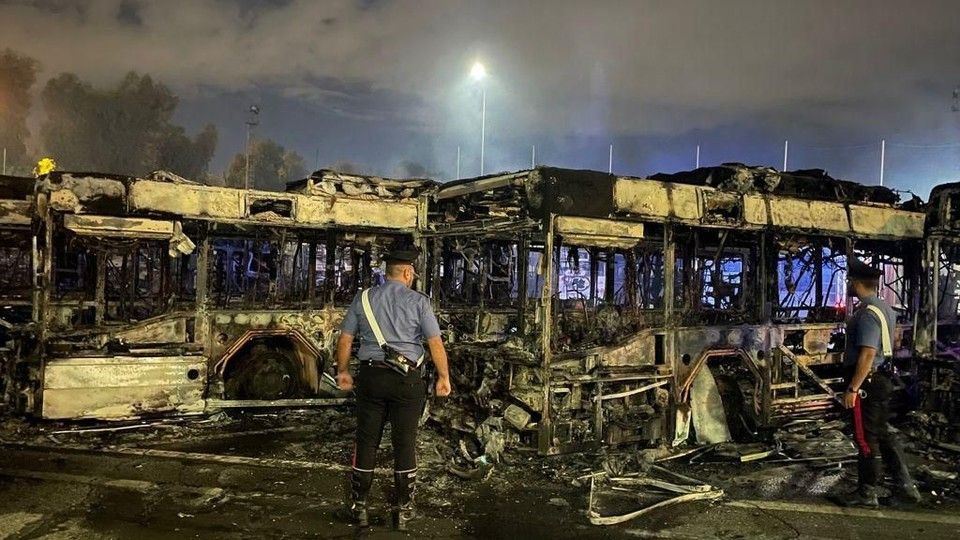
(631, 392)
(516, 416)
(597, 519)
(706, 408)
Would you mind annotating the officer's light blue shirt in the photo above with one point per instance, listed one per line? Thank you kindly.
(405, 317)
(863, 330)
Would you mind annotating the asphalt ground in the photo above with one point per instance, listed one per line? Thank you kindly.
(286, 479)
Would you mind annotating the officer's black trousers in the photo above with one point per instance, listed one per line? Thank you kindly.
(872, 435)
(383, 395)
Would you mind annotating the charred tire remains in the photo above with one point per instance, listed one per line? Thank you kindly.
(263, 371)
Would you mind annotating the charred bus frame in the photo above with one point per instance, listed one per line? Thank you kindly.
(159, 295)
(937, 342)
(592, 302)
(580, 305)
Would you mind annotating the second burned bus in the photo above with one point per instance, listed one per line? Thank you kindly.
(585, 306)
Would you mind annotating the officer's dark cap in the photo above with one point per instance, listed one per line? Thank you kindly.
(862, 271)
(401, 256)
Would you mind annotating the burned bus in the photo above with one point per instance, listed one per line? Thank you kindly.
(580, 308)
(587, 309)
(129, 296)
(937, 343)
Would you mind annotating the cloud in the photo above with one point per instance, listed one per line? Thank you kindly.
(820, 70)
(610, 65)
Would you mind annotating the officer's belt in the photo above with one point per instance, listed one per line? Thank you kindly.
(375, 363)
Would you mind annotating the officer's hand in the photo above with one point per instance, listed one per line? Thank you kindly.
(345, 381)
(443, 387)
(850, 399)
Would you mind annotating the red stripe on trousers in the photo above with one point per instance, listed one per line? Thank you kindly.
(858, 433)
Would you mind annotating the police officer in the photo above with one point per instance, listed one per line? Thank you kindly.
(868, 367)
(392, 321)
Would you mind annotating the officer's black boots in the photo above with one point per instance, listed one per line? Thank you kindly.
(360, 483)
(905, 494)
(864, 496)
(405, 483)
(869, 474)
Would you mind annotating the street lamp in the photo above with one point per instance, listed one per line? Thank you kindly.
(478, 73)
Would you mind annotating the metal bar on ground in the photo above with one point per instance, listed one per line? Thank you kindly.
(257, 403)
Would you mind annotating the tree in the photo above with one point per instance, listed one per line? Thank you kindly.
(271, 166)
(294, 167)
(186, 157)
(124, 130)
(18, 73)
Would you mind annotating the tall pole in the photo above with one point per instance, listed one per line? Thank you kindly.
(252, 120)
(610, 163)
(883, 149)
(458, 162)
(786, 149)
(4, 160)
(483, 126)
(246, 153)
(698, 156)
(533, 157)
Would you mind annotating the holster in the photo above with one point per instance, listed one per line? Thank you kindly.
(396, 361)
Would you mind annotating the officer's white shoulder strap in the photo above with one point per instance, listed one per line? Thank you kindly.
(374, 325)
(371, 319)
(885, 340)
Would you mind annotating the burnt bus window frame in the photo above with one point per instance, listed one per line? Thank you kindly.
(694, 246)
(605, 311)
(810, 278)
(16, 266)
(140, 279)
(899, 283)
(483, 272)
(348, 252)
(650, 275)
(137, 280)
(74, 269)
(287, 268)
(948, 305)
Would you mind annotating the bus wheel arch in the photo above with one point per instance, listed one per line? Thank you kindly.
(266, 364)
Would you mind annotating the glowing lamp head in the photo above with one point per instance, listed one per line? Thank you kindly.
(478, 72)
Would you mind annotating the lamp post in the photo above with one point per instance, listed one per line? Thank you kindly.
(252, 120)
(478, 73)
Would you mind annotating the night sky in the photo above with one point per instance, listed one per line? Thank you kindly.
(383, 83)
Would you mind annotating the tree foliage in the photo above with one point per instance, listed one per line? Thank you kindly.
(127, 129)
(271, 166)
(293, 166)
(18, 73)
(187, 157)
